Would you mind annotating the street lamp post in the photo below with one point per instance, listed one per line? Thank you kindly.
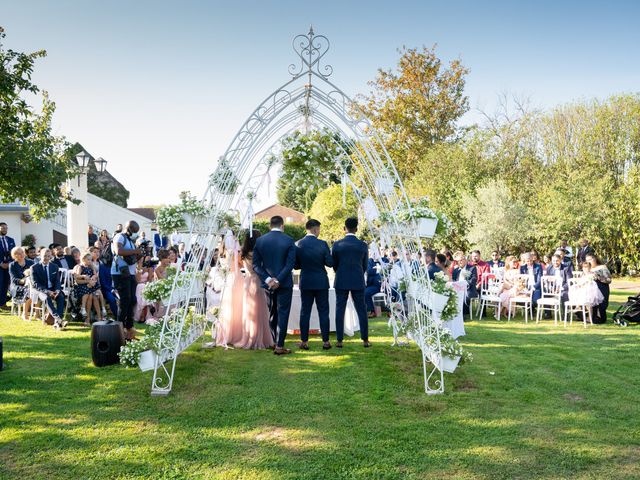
(78, 215)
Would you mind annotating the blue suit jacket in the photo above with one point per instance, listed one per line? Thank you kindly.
(312, 255)
(432, 269)
(40, 279)
(373, 277)
(350, 260)
(5, 255)
(275, 256)
(497, 264)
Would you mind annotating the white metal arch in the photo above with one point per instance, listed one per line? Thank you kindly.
(308, 100)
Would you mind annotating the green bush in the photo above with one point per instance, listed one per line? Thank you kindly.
(294, 230)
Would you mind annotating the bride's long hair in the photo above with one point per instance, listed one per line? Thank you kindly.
(248, 242)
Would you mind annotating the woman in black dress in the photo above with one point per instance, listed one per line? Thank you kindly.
(19, 271)
(603, 279)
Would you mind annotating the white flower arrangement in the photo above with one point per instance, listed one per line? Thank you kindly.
(171, 218)
(417, 209)
(224, 179)
(449, 346)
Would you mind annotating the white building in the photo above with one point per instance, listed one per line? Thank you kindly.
(101, 215)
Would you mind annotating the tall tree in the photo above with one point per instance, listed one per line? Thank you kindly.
(416, 106)
(32, 158)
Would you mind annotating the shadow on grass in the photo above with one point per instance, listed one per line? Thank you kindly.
(529, 406)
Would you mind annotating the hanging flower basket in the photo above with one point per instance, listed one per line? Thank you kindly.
(437, 302)
(147, 360)
(426, 227)
(188, 221)
(449, 364)
(384, 186)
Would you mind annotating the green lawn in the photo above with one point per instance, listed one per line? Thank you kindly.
(537, 402)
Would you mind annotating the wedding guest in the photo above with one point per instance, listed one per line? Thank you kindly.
(164, 258)
(274, 257)
(46, 280)
(432, 268)
(6, 245)
(350, 261)
(441, 262)
(95, 263)
(564, 245)
(256, 334)
(466, 271)
(312, 258)
(566, 261)
(106, 287)
(374, 284)
(19, 271)
(510, 286)
(534, 271)
(85, 286)
(495, 261)
(144, 275)
(61, 259)
(482, 267)
(31, 253)
(585, 249)
(92, 238)
(562, 275)
(602, 277)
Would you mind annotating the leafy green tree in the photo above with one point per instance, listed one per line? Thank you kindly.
(497, 220)
(31, 156)
(310, 163)
(417, 106)
(330, 212)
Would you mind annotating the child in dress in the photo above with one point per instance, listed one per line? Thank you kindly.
(593, 295)
(86, 285)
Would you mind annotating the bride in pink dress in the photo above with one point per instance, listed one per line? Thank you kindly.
(255, 313)
(229, 331)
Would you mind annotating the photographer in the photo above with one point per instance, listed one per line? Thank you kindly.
(123, 272)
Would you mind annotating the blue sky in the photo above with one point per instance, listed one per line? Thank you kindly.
(160, 88)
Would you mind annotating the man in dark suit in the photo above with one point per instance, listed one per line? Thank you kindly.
(350, 260)
(585, 249)
(495, 261)
(429, 260)
(312, 256)
(60, 259)
(464, 270)
(534, 270)
(46, 280)
(563, 274)
(274, 257)
(6, 245)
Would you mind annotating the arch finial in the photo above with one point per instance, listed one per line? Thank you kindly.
(310, 48)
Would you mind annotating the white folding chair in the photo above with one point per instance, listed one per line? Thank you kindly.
(551, 298)
(37, 304)
(490, 295)
(16, 308)
(476, 300)
(578, 274)
(67, 281)
(577, 302)
(524, 301)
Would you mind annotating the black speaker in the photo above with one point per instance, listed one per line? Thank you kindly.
(106, 340)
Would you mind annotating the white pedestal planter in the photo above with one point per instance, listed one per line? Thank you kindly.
(384, 186)
(444, 363)
(426, 227)
(147, 360)
(437, 302)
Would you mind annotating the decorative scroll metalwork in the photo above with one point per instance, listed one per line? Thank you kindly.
(245, 169)
(311, 48)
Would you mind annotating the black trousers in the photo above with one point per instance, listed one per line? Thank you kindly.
(126, 288)
(280, 307)
(599, 312)
(321, 298)
(342, 296)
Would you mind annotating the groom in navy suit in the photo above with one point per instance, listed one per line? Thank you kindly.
(350, 260)
(312, 256)
(274, 257)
